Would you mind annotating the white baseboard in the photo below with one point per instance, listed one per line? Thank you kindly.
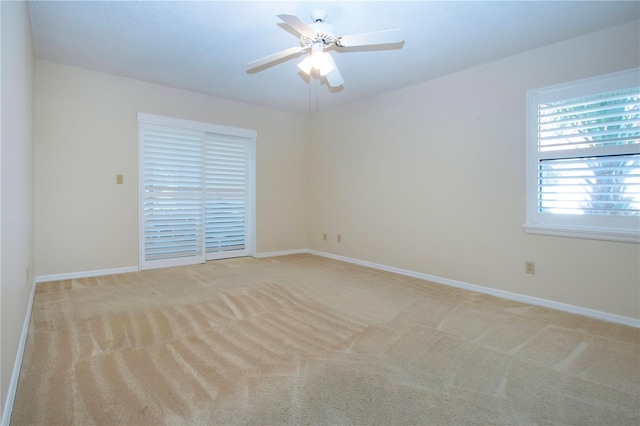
(605, 316)
(85, 274)
(17, 365)
(281, 253)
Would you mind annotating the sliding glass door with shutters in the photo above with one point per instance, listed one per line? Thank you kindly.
(196, 192)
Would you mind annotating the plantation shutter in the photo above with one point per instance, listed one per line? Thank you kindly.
(196, 192)
(173, 202)
(588, 152)
(226, 176)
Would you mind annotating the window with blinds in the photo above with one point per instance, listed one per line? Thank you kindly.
(196, 192)
(584, 158)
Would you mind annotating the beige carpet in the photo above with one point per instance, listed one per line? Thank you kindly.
(307, 340)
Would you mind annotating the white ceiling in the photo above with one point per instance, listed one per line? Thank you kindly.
(204, 46)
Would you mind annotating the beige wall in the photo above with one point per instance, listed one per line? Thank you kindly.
(429, 179)
(432, 179)
(16, 171)
(86, 132)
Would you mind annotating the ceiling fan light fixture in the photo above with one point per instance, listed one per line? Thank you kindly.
(317, 60)
(306, 65)
(323, 64)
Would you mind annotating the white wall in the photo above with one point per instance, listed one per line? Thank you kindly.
(16, 171)
(432, 179)
(86, 132)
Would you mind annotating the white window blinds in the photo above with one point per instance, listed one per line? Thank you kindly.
(588, 154)
(196, 187)
(584, 157)
(172, 187)
(225, 181)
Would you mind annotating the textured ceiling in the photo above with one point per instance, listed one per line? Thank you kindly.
(205, 46)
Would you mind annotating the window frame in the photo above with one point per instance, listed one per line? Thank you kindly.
(609, 228)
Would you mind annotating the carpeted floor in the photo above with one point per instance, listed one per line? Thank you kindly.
(306, 340)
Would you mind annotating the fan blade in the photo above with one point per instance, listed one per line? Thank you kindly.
(367, 39)
(294, 22)
(275, 57)
(334, 78)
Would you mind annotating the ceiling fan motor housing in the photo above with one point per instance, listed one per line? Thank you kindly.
(324, 34)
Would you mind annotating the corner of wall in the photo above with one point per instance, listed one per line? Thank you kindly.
(17, 112)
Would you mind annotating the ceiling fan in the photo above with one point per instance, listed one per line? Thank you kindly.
(318, 37)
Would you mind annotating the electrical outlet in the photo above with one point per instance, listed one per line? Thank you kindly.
(119, 179)
(530, 267)
(324, 236)
(339, 238)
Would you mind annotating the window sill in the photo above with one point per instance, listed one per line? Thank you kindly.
(617, 235)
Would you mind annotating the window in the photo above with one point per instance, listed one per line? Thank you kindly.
(583, 158)
(196, 192)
